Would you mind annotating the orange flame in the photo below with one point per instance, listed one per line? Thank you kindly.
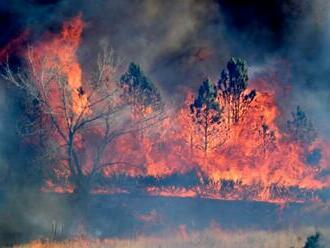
(246, 157)
(59, 51)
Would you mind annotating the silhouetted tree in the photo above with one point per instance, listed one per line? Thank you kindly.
(72, 114)
(67, 112)
(314, 241)
(139, 91)
(207, 116)
(300, 128)
(232, 87)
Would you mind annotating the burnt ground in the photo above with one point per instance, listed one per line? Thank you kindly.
(45, 215)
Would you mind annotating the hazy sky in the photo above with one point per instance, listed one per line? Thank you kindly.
(180, 42)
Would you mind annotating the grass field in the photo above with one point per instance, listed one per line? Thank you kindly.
(211, 238)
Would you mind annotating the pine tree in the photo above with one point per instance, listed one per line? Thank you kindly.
(139, 91)
(207, 116)
(232, 85)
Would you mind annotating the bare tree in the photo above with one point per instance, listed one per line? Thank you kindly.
(72, 113)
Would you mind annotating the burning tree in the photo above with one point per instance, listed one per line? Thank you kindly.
(139, 92)
(232, 87)
(207, 116)
(81, 119)
(141, 95)
(87, 127)
(66, 110)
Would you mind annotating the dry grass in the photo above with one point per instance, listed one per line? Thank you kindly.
(211, 238)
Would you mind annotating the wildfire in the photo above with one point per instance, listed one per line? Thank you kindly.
(245, 155)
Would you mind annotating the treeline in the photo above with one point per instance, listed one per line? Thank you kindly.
(217, 107)
(75, 130)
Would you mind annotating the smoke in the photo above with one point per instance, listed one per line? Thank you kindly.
(172, 40)
(310, 61)
(180, 43)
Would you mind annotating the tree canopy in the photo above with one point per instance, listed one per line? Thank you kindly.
(232, 85)
(139, 90)
(206, 113)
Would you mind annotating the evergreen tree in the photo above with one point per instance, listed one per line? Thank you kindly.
(139, 91)
(232, 85)
(207, 116)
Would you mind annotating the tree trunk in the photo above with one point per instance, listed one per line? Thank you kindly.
(80, 204)
(82, 189)
(206, 129)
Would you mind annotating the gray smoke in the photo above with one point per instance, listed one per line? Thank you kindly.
(179, 43)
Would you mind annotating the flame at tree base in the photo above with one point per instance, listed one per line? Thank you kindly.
(173, 186)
